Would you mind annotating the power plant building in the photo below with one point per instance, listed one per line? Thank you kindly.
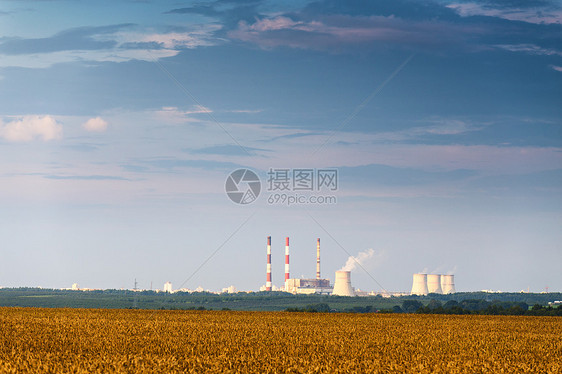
(308, 286)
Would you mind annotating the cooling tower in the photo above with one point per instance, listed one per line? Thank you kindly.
(434, 283)
(342, 286)
(448, 284)
(419, 286)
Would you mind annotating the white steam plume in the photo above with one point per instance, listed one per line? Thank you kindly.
(361, 259)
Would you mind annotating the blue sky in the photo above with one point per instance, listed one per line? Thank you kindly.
(121, 120)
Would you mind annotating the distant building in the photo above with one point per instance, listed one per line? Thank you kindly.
(168, 287)
(273, 288)
(230, 289)
(75, 287)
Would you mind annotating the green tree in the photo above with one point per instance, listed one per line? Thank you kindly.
(411, 306)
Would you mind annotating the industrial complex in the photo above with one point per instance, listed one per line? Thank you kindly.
(423, 284)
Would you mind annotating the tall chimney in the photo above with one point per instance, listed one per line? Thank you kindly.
(286, 261)
(318, 259)
(268, 280)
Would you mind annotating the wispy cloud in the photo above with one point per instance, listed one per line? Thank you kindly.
(227, 150)
(117, 43)
(557, 68)
(198, 36)
(173, 114)
(532, 49)
(534, 13)
(248, 111)
(86, 177)
(330, 31)
(31, 127)
(435, 127)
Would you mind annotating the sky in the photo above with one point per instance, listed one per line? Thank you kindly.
(121, 121)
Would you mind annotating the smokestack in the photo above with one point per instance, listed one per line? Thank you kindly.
(342, 285)
(318, 259)
(448, 284)
(286, 261)
(268, 269)
(419, 285)
(434, 283)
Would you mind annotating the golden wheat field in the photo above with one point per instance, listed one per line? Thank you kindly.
(101, 341)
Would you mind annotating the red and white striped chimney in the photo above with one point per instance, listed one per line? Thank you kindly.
(268, 280)
(286, 261)
(318, 259)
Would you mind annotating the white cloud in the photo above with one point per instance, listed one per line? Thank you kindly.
(557, 68)
(31, 127)
(95, 125)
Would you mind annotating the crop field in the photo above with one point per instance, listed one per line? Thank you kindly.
(93, 340)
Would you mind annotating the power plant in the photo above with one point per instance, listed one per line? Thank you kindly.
(424, 284)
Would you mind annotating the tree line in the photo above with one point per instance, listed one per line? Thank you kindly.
(475, 306)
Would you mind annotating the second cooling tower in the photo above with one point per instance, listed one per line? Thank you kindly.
(434, 283)
(342, 286)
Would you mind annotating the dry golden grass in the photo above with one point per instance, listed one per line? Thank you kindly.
(101, 341)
